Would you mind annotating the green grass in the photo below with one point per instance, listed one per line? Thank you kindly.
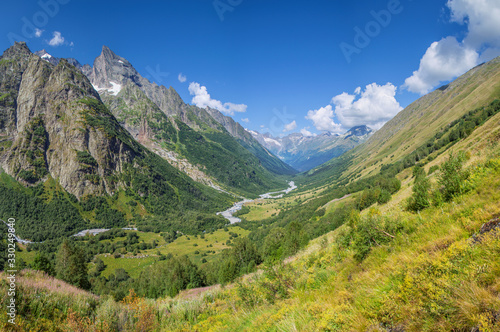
(184, 245)
(133, 266)
(28, 257)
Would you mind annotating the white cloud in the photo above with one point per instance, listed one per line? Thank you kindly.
(57, 40)
(375, 106)
(306, 132)
(202, 99)
(443, 61)
(449, 58)
(262, 126)
(291, 126)
(38, 33)
(481, 18)
(372, 107)
(246, 120)
(358, 90)
(323, 119)
(182, 78)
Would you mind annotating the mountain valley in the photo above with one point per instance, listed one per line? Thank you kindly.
(387, 230)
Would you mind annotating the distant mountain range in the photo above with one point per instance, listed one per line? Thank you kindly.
(306, 152)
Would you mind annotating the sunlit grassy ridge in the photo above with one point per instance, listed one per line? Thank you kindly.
(437, 270)
(413, 126)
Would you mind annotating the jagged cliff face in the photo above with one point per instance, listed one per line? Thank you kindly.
(59, 127)
(159, 119)
(13, 63)
(112, 72)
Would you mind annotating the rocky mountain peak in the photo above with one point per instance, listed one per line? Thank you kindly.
(18, 49)
(359, 131)
(111, 71)
(108, 53)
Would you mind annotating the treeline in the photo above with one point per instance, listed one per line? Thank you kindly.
(185, 222)
(166, 277)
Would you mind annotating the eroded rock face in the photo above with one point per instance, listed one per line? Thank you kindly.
(60, 127)
(146, 109)
(13, 63)
(111, 73)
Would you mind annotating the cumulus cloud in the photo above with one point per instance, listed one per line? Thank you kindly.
(481, 18)
(246, 120)
(443, 61)
(202, 99)
(306, 132)
(448, 58)
(57, 39)
(182, 78)
(38, 33)
(372, 107)
(291, 126)
(323, 119)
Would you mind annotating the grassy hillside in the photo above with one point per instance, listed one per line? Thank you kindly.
(405, 236)
(413, 126)
(436, 270)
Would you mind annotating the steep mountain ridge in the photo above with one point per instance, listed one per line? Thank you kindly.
(306, 152)
(59, 129)
(415, 125)
(159, 119)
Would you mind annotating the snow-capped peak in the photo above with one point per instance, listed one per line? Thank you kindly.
(252, 132)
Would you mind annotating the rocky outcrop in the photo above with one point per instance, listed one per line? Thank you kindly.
(62, 129)
(13, 63)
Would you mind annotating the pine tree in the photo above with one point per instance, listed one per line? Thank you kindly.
(71, 266)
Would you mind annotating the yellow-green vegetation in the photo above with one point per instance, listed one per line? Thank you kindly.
(436, 270)
(387, 269)
(197, 248)
(25, 255)
(265, 208)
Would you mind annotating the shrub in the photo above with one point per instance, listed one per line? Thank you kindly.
(453, 176)
(384, 197)
(420, 200)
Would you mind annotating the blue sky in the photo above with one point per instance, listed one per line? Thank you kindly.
(277, 66)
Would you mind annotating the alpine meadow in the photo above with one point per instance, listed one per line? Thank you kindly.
(172, 166)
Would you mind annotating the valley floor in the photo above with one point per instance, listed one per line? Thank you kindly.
(437, 270)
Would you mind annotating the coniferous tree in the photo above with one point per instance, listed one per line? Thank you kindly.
(71, 266)
(42, 263)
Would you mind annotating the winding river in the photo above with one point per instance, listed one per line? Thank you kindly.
(228, 214)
